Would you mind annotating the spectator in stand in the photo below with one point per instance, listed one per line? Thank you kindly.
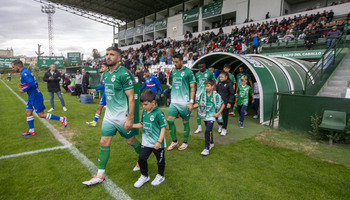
(170, 53)
(213, 45)
(267, 16)
(139, 74)
(273, 38)
(238, 48)
(347, 28)
(53, 78)
(332, 36)
(330, 15)
(161, 76)
(256, 43)
(78, 83)
(310, 39)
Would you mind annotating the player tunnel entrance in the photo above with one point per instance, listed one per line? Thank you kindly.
(272, 74)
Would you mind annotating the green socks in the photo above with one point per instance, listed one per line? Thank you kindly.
(103, 157)
(172, 129)
(137, 146)
(186, 130)
(199, 121)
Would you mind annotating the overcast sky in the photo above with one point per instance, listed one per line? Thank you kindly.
(24, 26)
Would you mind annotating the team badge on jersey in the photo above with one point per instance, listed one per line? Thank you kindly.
(206, 75)
(151, 118)
(113, 78)
(130, 82)
(183, 74)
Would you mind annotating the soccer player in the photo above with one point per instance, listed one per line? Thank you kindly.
(153, 130)
(182, 99)
(210, 105)
(102, 101)
(35, 98)
(239, 82)
(202, 75)
(119, 115)
(243, 92)
(152, 83)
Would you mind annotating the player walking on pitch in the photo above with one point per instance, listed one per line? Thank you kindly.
(182, 99)
(119, 115)
(35, 98)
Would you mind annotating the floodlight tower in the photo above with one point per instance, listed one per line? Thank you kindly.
(49, 10)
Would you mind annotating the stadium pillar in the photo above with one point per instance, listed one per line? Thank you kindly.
(248, 10)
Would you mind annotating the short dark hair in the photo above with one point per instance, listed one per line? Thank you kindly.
(227, 66)
(115, 49)
(17, 62)
(209, 81)
(177, 55)
(201, 62)
(147, 95)
(145, 71)
(211, 66)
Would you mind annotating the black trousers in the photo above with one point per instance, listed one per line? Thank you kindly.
(78, 89)
(208, 135)
(144, 155)
(225, 117)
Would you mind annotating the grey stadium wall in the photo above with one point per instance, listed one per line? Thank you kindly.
(273, 74)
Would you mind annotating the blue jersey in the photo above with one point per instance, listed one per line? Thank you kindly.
(28, 82)
(152, 83)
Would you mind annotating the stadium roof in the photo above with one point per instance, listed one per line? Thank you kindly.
(124, 10)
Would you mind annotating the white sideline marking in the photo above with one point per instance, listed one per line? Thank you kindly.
(33, 152)
(109, 185)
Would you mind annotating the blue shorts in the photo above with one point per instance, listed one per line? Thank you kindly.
(103, 99)
(36, 102)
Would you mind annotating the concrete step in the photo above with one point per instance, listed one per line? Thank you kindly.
(337, 83)
(342, 73)
(335, 89)
(330, 94)
(340, 78)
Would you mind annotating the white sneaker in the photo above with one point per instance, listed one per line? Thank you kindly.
(199, 129)
(142, 180)
(255, 116)
(211, 146)
(223, 132)
(51, 109)
(173, 145)
(183, 146)
(158, 180)
(220, 129)
(94, 181)
(205, 152)
(136, 168)
(64, 109)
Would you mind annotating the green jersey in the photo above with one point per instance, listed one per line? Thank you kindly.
(200, 78)
(116, 83)
(232, 77)
(209, 105)
(152, 123)
(181, 90)
(239, 75)
(243, 95)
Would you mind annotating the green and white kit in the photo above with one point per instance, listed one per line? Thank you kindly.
(243, 95)
(152, 123)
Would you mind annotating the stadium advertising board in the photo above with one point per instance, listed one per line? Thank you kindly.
(299, 54)
(212, 9)
(73, 57)
(138, 30)
(129, 33)
(161, 24)
(190, 16)
(6, 62)
(46, 61)
(148, 28)
(121, 35)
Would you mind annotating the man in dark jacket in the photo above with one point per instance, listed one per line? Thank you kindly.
(85, 83)
(53, 77)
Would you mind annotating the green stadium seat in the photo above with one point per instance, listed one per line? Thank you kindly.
(333, 121)
(321, 40)
(274, 44)
(282, 44)
(300, 42)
